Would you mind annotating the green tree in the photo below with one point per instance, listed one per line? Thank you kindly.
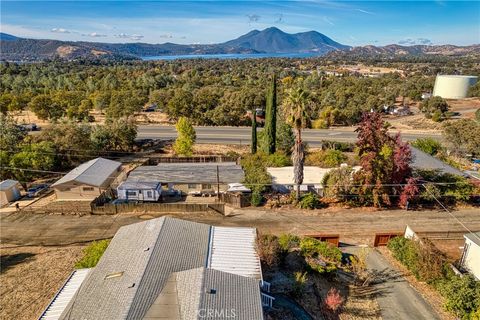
(11, 136)
(35, 156)
(296, 104)
(271, 117)
(114, 135)
(434, 107)
(186, 137)
(45, 107)
(285, 137)
(254, 132)
(428, 145)
(463, 136)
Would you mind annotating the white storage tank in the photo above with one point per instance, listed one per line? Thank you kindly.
(453, 86)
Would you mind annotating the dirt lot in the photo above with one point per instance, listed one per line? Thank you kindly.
(30, 276)
(466, 107)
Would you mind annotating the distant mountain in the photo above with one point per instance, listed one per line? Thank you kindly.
(274, 40)
(416, 50)
(271, 40)
(7, 37)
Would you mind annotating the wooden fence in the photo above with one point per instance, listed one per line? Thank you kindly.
(195, 159)
(110, 208)
(441, 235)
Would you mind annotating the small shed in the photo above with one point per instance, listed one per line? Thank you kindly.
(9, 191)
(141, 191)
(470, 260)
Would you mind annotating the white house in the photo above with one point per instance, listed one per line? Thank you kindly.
(141, 191)
(9, 191)
(470, 260)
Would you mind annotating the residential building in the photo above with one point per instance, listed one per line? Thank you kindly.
(141, 191)
(88, 180)
(470, 260)
(167, 268)
(9, 191)
(283, 178)
(190, 178)
(424, 161)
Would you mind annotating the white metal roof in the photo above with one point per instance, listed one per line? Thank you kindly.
(64, 295)
(7, 184)
(233, 250)
(95, 172)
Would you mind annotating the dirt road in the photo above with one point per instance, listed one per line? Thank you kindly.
(355, 226)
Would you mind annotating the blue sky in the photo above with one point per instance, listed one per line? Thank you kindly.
(348, 22)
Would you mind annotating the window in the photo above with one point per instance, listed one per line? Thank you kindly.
(131, 193)
(87, 188)
(192, 186)
(149, 194)
(206, 186)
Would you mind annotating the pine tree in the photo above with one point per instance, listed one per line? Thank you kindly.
(254, 131)
(271, 117)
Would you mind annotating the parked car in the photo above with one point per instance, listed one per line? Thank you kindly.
(29, 127)
(37, 190)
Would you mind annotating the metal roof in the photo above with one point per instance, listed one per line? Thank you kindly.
(189, 173)
(134, 184)
(65, 295)
(94, 172)
(473, 237)
(191, 294)
(7, 184)
(424, 161)
(141, 258)
(233, 250)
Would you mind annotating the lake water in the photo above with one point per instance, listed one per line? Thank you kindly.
(233, 56)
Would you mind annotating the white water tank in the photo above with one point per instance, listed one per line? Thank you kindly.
(453, 86)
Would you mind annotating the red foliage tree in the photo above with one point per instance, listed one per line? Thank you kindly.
(409, 192)
(385, 161)
(333, 300)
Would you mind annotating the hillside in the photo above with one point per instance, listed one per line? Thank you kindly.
(271, 40)
(416, 50)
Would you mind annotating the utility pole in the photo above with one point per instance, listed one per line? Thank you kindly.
(218, 184)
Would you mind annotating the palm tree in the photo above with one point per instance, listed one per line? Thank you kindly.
(296, 106)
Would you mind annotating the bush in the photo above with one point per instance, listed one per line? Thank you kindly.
(428, 145)
(300, 280)
(268, 249)
(92, 254)
(462, 295)
(309, 201)
(278, 159)
(333, 300)
(256, 199)
(256, 175)
(313, 248)
(326, 158)
(288, 241)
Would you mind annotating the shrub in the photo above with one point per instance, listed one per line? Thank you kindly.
(309, 201)
(337, 182)
(462, 295)
(288, 241)
(314, 248)
(256, 175)
(92, 254)
(437, 116)
(428, 145)
(333, 300)
(326, 158)
(256, 199)
(300, 280)
(278, 159)
(268, 249)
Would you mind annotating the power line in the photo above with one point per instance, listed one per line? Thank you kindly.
(451, 214)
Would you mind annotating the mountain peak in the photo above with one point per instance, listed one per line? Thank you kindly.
(274, 40)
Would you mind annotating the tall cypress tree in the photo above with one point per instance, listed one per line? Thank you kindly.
(271, 117)
(254, 131)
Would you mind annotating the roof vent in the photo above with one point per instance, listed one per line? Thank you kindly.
(114, 275)
(212, 291)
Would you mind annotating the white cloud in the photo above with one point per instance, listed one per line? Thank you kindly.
(94, 35)
(411, 42)
(364, 11)
(60, 30)
(166, 36)
(129, 36)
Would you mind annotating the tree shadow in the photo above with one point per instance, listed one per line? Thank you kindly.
(11, 260)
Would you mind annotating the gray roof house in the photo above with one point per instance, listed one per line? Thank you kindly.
(167, 268)
(88, 180)
(424, 161)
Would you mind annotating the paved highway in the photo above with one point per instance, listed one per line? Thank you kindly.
(241, 135)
